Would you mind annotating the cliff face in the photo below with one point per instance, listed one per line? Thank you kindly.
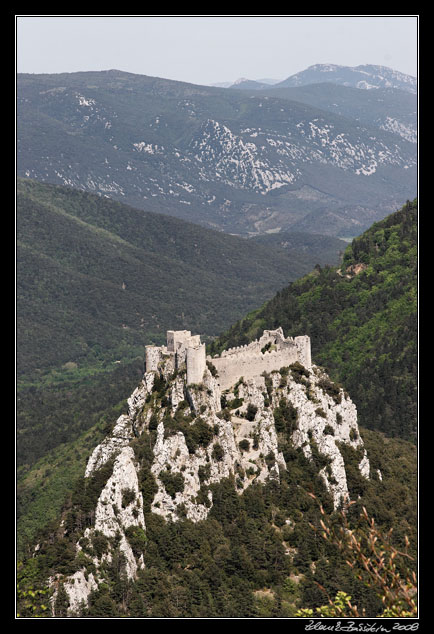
(196, 436)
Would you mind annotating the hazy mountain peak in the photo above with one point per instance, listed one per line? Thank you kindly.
(364, 76)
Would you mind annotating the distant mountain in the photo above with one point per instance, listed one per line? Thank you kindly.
(365, 76)
(269, 81)
(250, 84)
(222, 84)
(231, 160)
(240, 83)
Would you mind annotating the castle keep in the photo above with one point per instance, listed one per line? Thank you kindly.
(271, 352)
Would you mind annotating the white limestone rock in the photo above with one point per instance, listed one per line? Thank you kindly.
(110, 516)
(327, 423)
(118, 439)
(148, 381)
(138, 397)
(177, 392)
(207, 394)
(78, 587)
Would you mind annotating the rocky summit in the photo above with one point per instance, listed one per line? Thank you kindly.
(199, 433)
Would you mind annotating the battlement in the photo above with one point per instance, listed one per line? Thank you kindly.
(271, 351)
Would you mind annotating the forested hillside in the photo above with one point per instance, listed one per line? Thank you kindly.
(362, 320)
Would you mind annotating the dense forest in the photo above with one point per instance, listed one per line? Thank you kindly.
(362, 320)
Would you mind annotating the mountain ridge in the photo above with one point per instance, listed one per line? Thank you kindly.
(220, 158)
(356, 76)
(363, 76)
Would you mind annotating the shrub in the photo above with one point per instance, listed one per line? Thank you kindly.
(236, 402)
(217, 452)
(99, 543)
(251, 412)
(353, 434)
(128, 496)
(211, 367)
(173, 482)
(285, 417)
(270, 459)
(204, 472)
(159, 386)
(375, 561)
(244, 445)
(148, 487)
(299, 372)
(330, 388)
(136, 538)
(224, 414)
(199, 434)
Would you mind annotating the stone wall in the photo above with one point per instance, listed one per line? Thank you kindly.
(175, 337)
(271, 352)
(304, 353)
(249, 364)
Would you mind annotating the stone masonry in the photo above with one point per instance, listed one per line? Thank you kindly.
(271, 352)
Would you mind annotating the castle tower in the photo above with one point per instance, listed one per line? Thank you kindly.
(196, 363)
(304, 352)
(152, 358)
(175, 338)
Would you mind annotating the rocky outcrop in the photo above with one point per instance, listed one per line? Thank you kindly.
(201, 435)
(115, 513)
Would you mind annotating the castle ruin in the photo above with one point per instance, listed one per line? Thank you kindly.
(271, 351)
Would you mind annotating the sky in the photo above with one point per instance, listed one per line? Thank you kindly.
(212, 49)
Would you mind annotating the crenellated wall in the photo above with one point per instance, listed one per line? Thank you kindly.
(249, 364)
(249, 361)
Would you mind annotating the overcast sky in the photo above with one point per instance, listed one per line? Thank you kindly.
(211, 49)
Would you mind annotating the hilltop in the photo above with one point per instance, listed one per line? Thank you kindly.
(364, 76)
(202, 500)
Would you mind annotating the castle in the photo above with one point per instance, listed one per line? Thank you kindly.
(270, 352)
